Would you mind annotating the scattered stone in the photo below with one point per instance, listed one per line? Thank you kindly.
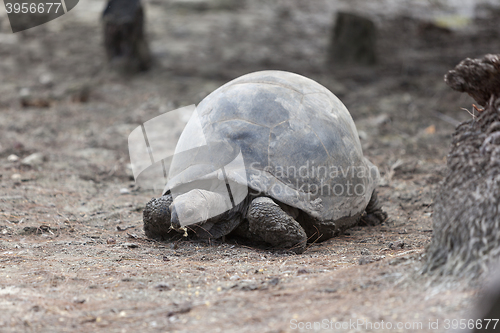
(163, 286)
(34, 159)
(302, 271)
(46, 79)
(180, 308)
(273, 281)
(16, 178)
(381, 119)
(13, 158)
(111, 241)
(118, 228)
(24, 92)
(124, 191)
(130, 245)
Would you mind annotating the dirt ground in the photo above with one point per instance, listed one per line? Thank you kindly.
(73, 257)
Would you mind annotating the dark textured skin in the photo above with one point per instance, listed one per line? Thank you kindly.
(467, 207)
(158, 209)
(268, 221)
(258, 219)
(157, 221)
(477, 77)
(124, 38)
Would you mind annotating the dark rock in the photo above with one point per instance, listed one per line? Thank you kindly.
(163, 286)
(124, 38)
(353, 41)
(180, 308)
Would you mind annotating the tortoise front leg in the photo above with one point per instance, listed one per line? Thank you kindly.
(268, 221)
(157, 217)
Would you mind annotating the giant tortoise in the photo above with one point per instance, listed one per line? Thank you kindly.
(271, 156)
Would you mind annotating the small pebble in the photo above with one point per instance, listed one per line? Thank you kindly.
(234, 277)
(33, 159)
(274, 281)
(24, 92)
(124, 191)
(16, 178)
(130, 245)
(163, 286)
(111, 241)
(46, 79)
(13, 158)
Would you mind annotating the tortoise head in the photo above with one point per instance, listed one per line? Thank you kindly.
(196, 206)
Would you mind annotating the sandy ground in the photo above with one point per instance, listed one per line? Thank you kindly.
(73, 257)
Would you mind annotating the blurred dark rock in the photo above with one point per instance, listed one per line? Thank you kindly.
(353, 41)
(124, 37)
(432, 33)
